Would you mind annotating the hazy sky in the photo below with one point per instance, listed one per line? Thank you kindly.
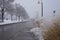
(32, 7)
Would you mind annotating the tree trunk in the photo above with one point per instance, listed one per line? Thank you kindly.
(2, 15)
(11, 17)
(18, 18)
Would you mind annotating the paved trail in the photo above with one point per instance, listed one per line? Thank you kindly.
(24, 34)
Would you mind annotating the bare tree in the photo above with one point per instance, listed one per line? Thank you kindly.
(21, 12)
(10, 10)
(8, 6)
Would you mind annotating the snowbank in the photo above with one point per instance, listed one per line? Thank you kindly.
(9, 22)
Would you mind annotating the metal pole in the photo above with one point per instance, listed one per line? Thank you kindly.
(2, 11)
(41, 8)
(38, 10)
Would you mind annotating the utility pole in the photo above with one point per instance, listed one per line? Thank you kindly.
(2, 11)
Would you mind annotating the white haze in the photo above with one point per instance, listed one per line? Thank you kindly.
(32, 7)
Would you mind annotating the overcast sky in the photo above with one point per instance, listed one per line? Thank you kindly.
(32, 7)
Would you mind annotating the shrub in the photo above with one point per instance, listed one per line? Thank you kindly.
(53, 32)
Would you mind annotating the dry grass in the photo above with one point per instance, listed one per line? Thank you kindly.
(53, 32)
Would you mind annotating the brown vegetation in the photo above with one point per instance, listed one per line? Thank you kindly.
(37, 22)
(53, 32)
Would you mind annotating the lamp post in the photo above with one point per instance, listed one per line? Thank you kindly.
(41, 7)
(41, 10)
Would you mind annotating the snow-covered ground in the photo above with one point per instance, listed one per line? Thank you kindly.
(9, 22)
